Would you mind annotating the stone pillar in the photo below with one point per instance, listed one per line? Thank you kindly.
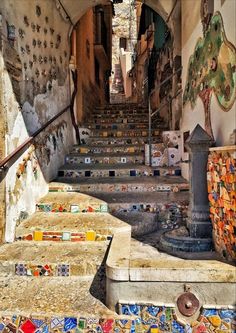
(199, 224)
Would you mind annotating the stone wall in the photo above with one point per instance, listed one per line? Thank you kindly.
(210, 49)
(34, 58)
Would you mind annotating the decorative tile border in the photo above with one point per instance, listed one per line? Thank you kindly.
(158, 319)
(119, 187)
(58, 236)
(135, 172)
(104, 160)
(147, 319)
(42, 270)
(75, 208)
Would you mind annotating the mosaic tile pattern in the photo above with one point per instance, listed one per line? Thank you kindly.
(135, 172)
(104, 160)
(147, 319)
(107, 149)
(221, 179)
(119, 188)
(42, 270)
(67, 208)
(65, 236)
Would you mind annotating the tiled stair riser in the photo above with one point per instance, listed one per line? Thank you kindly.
(25, 269)
(122, 133)
(107, 149)
(151, 319)
(111, 119)
(155, 319)
(68, 208)
(167, 213)
(66, 236)
(118, 126)
(86, 188)
(118, 173)
(105, 160)
(98, 141)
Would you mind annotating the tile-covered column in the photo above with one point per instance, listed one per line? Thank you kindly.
(221, 179)
(199, 223)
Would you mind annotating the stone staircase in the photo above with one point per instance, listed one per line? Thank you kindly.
(76, 246)
(111, 166)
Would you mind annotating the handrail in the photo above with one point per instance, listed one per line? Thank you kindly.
(31, 138)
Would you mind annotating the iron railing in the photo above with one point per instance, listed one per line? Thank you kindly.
(28, 141)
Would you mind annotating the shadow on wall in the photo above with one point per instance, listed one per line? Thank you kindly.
(34, 63)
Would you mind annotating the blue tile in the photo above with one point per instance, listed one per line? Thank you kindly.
(70, 323)
(132, 173)
(178, 172)
(156, 173)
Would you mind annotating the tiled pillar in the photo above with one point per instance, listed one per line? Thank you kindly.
(199, 223)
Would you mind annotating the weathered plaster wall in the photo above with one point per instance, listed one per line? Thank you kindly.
(90, 92)
(35, 87)
(223, 123)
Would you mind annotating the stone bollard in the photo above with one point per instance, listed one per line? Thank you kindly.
(199, 223)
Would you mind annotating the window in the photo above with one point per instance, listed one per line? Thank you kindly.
(123, 43)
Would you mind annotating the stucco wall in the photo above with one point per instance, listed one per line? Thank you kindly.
(223, 123)
(35, 87)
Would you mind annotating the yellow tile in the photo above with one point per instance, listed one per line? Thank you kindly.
(154, 330)
(90, 235)
(38, 235)
(83, 150)
(131, 150)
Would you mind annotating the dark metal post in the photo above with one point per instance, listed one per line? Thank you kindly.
(199, 223)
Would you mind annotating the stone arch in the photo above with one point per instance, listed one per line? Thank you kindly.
(75, 11)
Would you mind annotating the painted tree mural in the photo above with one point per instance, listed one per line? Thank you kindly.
(212, 69)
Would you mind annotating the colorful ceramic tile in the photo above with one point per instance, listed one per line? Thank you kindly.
(28, 327)
(21, 269)
(104, 208)
(57, 322)
(66, 236)
(70, 323)
(74, 209)
(90, 235)
(38, 235)
(82, 323)
(63, 270)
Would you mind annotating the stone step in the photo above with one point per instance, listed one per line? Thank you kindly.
(70, 203)
(105, 158)
(154, 202)
(69, 227)
(100, 141)
(51, 259)
(64, 300)
(117, 170)
(141, 222)
(118, 119)
(130, 133)
(121, 110)
(164, 184)
(117, 126)
(110, 148)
